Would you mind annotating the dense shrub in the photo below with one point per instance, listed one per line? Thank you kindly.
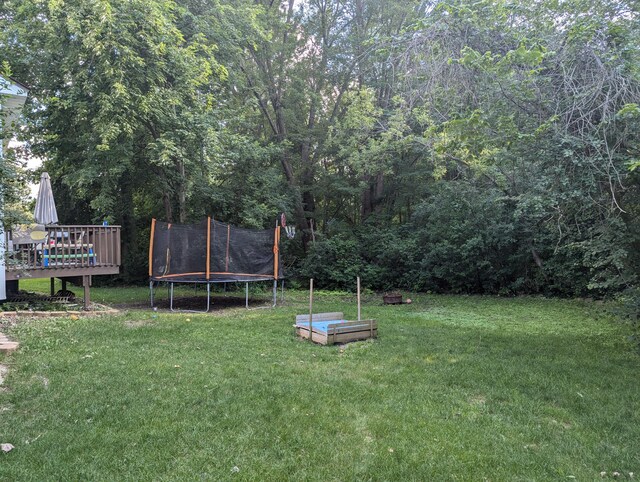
(469, 239)
(390, 253)
(468, 242)
(333, 263)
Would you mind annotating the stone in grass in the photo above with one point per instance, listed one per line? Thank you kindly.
(9, 346)
(6, 447)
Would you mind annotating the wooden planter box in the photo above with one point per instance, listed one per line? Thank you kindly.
(330, 328)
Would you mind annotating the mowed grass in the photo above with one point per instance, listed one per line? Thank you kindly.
(454, 388)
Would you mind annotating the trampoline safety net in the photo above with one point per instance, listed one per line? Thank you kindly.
(213, 251)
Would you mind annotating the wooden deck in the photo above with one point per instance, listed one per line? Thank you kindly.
(68, 252)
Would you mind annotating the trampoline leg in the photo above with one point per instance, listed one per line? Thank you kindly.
(275, 293)
(246, 295)
(282, 292)
(190, 311)
(151, 292)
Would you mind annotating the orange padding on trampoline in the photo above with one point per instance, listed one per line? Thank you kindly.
(202, 272)
(153, 231)
(276, 242)
(208, 247)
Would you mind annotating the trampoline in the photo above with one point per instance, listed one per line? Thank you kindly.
(212, 252)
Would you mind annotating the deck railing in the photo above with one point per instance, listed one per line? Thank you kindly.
(64, 246)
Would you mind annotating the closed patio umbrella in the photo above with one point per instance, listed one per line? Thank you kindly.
(45, 212)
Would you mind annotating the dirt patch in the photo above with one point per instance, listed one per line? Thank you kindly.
(478, 400)
(96, 310)
(43, 380)
(137, 323)
(197, 303)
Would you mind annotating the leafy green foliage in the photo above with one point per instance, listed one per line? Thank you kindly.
(470, 242)
(334, 263)
(12, 172)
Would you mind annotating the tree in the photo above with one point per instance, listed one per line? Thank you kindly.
(123, 104)
(382, 125)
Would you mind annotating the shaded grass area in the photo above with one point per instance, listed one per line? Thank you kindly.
(455, 388)
(138, 296)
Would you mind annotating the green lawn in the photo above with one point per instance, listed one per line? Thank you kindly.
(455, 388)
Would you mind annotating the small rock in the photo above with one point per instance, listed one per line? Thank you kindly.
(235, 469)
(6, 447)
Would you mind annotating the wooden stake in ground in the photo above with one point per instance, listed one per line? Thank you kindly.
(311, 310)
(86, 283)
(358, 283)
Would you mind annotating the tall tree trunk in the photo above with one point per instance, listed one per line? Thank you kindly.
(128, 223)
(166, 202)
(372, 195)
(366, 204)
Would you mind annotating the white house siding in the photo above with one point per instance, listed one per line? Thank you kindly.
(13, 97)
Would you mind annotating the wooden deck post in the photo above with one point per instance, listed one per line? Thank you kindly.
(52, 283)
(86, 283)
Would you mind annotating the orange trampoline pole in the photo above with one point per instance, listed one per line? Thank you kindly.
(153, 230)
(276, 249)
(208, 247)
